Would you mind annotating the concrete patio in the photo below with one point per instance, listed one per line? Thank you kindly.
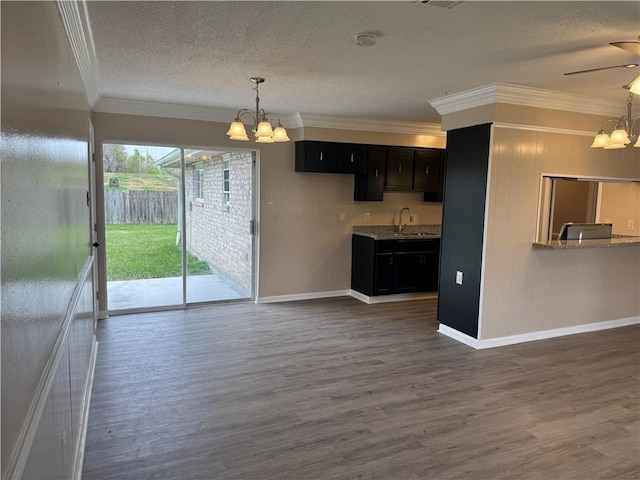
(159, 292)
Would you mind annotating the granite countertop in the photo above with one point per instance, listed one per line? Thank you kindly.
(390, 232)
(615, 241)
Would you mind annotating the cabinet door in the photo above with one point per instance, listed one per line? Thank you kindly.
(426, 173)
(316, 157)
(430, 266)
(417, 265)
(352, 158)
(399, 168)
(384, 273)
(409, 271)
(370, 186)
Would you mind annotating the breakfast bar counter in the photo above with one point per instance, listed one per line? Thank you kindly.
(615, 241)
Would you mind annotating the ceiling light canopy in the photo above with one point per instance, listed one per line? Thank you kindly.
(262, 128)
(622, 135)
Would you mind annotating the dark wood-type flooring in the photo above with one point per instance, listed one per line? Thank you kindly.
(337, 389)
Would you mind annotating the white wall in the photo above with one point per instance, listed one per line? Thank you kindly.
(620, 202)
(47, 298)
(527, 290)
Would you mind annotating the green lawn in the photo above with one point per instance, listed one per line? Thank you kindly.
(147, 251)
(141, 181)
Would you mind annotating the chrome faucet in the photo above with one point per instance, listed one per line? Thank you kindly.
(400, 225)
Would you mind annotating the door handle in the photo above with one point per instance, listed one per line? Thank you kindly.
(399, 168)
(426, 170)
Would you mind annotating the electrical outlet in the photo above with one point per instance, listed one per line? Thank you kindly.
(459, 276)
(269, 198)
(367, 217)
(631, 225)
(342, 216)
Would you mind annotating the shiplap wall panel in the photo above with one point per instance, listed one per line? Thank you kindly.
(527, 290)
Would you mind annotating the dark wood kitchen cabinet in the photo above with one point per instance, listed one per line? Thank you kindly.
(330, 157)
(426, 171)
(352, 158)
(416, 263)
(319, 157)
(370, 186)
(399, 168)
(384, 267)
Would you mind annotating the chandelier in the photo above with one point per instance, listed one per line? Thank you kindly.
(622, 135)
(262, 128)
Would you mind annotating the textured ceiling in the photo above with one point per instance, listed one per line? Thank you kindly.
(203, 53)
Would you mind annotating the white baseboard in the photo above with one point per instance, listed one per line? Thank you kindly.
(401, 297)
(302, 296)
(533, 336)
(82, 440)
(459, 336)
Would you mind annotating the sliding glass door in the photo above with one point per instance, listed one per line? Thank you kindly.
(177, 226)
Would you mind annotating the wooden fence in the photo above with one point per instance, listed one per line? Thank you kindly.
(141, 207)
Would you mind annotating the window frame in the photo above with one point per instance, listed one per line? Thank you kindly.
(198, 181)
(226, 182)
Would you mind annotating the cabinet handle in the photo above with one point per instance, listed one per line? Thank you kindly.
(320, 156)
(426, 170)
(399, 168)
(376, 173)
(352, 158)
(390, 260)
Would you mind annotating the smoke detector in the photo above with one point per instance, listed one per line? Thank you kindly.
(365, 39)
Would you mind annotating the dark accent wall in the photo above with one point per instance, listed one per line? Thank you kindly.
(463, 226)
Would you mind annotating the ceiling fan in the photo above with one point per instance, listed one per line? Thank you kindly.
(632, 47)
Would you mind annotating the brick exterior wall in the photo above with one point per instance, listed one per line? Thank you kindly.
(216, 232)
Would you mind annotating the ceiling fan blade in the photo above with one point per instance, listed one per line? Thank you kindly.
(633, 47)
(628, 85)
(625, 65)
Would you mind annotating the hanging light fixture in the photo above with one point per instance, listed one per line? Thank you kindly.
(262, 128)
(622, 135)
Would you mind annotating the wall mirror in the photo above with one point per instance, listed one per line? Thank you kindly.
(566, 199)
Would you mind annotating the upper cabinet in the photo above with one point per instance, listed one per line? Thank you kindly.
(428, 174)
(319, 157)
(399, 168)
(352, 158)
(370, 186)
(329, 157)
(377, 167)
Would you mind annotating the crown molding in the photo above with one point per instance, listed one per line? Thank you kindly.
(535, 128)
(382, 126)
(297, 120)
(525, 96)
(160, 109)
(76, 24)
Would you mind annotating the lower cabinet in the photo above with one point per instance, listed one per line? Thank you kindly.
(384, 267)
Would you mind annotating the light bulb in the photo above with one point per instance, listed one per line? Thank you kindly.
(237, 130)
(280, 134)
(600, 140)
(619, 136)
(264, 129)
